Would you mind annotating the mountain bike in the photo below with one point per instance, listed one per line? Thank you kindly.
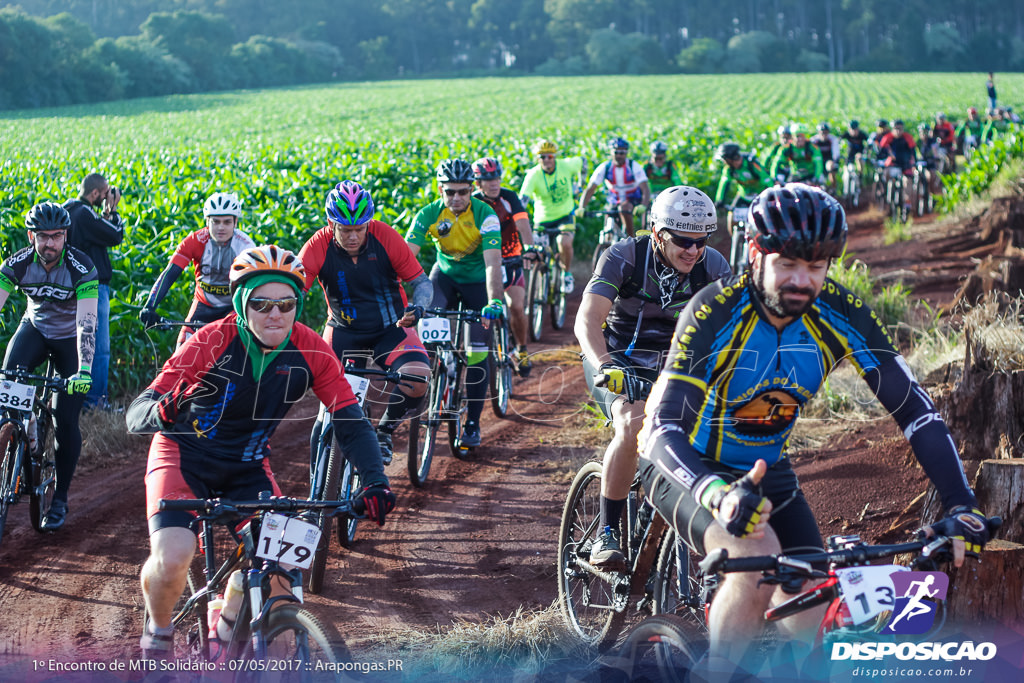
(738, 215)
(446, 401)
(272, 542)
(896, 196)
(924, 201)
(27, 464)
(851, 185)
(501, 365)
(544, 285)
(332, 474)
(612, 231)
(861, 598)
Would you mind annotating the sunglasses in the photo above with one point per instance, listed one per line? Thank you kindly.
(547, 156)
(683, 242)
(261, 305)
(462, 193)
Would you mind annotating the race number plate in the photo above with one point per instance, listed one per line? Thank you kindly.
(359, 386)
(739, 214)
(16, 396)
(435, 330)
(287, 540)
(868, 591)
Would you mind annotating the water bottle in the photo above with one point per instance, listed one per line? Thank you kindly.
(213, 610)
(232, 601)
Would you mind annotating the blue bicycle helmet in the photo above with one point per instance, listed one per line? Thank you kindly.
(349, 204)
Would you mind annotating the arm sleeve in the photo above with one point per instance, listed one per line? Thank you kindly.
(162, 285)
(423, 291)
(359, 442)
(909, 404)
(142, 416)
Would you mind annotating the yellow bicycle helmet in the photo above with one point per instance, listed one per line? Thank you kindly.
(545, 147)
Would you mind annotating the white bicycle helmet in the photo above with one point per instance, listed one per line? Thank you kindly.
(222, 204)
(684, 208)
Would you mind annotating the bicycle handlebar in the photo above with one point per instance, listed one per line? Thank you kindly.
(216, 507)
(637, 388)
(462, 314)
(166, 324)
(45, 381)
(388, 375)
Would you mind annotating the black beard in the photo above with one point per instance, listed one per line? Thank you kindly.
(775, 304)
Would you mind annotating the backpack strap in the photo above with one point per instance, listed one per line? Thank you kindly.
(634, 285)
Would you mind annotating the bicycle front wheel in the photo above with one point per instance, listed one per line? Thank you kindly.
(8, 475)
(536, 299)
(587, 602)
(42, 471)
(350, 484)
(500, 376)
(324, 520)
(311, 650)
(557, 296)
(661, 648)
(423, 430)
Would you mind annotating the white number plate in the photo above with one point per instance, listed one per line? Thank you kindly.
(15, 395)
(868, 591)
(359, 386)
(739, 214)
(287, 540)
(435, 329)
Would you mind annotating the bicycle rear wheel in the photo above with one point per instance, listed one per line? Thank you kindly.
(453, 410)
(500, 360)
(557, 295)
(350, 484)
(661, 648)
(311, 649)
(586, 601)
(324, 488)
(536, 299)
(8, 476)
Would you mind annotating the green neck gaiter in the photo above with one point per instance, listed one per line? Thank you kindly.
(260, 355)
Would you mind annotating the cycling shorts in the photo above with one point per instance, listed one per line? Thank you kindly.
(634, 197)
(791, 517)
(390, 349)
(512, 272)
(566, 225)
(473, 295)
(170, 474)
(604, 398)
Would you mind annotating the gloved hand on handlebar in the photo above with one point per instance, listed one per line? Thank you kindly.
(738, 507)
(377, 500)
(613, 376)
(149, 317)
(639, 210)
(967, 524)
(79, 383)
(494, 310)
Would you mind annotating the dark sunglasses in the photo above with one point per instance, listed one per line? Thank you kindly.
(462, 193)
(261, 305)
(683, 242)
(547, 156)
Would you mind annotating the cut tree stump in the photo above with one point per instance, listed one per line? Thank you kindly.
(991, 590)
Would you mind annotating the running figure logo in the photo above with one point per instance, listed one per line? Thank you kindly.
(917, 595)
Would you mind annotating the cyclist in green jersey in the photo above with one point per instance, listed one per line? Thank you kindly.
(742, 169)
(785, 140)
(550, 184)
(468, 237)
(661, 171)
(800, 162)
(969, 132)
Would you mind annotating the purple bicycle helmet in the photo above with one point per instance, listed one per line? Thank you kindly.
(349, 204)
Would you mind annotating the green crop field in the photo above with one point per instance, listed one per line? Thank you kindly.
(282, 150)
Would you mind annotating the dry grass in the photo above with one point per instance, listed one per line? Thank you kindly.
(525, 642)
(995, 329)
(105, 439)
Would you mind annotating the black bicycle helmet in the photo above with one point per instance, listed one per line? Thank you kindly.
(883, 123)
(486, 168)
(47, 216)
(798, 221)
(854, 124)
(728, 151)
(823, 127)
(454, 171)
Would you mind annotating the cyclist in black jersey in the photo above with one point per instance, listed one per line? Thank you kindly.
(624, 327)
(747, 354)
(59, 325)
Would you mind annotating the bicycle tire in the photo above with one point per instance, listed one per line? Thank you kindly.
(737, 251)
(419, 462)
(500, 375)
(453, 412)
(661, 648)
(922, 196)
(557, 295)
(42, 471)
(584, 599)
(324, 520)
(536, 291)
(8, 477)
(293, 634)
(667, 594)
(350, 483)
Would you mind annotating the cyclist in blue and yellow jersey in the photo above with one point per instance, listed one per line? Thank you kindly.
(625, 185)
(516, 245)
(747, 354)
(467, 234)
(661, 171)
(624, 327)
(360, 264)
(742, 169)
(59, 325)
(213, 409)
(550, 185)
(800, 161)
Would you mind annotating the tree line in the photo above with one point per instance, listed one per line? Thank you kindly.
(55, 52)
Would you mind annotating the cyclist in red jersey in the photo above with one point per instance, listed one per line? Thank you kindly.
(360, 263)
(516, 249)
(215, 405)
(946, 134)
(210, 250)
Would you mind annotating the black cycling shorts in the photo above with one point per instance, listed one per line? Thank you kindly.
(791, 517)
